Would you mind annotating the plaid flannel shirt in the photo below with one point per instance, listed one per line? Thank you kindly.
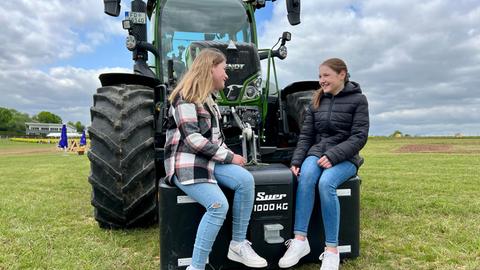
(194, 146)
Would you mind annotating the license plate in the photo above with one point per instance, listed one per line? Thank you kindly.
(138, 17)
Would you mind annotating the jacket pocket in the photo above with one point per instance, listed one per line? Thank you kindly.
(204, 122)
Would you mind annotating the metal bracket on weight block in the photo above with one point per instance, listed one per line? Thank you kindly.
(272, 233)
(248, 137)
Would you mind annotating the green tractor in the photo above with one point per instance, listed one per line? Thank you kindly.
(128, 115)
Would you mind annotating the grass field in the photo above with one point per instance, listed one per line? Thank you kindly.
(420, 209)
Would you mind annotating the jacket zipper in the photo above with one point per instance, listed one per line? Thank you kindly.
(330, 110)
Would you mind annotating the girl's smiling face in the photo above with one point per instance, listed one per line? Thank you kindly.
(219, 76)
(331, 81)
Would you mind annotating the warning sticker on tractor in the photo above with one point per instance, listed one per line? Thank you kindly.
(138, 17)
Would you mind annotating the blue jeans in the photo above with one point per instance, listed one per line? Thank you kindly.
(328, 180)
(212, 198)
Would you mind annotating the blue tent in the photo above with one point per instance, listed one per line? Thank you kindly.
(83, 139)
(63, 143)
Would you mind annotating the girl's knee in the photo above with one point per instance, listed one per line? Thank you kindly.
(245, 181)
(218, 208)
(325, 185)
(307, 180)
(248, 181)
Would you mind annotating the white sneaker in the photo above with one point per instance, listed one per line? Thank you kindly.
(243, 253)
(330, 260)
(297, 249)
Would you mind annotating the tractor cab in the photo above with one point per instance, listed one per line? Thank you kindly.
(184, 27)
(181, 22)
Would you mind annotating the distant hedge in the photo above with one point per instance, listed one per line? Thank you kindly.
(43, 140)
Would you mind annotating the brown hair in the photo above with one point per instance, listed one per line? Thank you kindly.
(337, 65)
(197, 83)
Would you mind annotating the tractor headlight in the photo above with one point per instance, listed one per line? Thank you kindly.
(253, 89)
(127, 24)
(251, 92)
(282, 51)
(258, 83)
(131, 42)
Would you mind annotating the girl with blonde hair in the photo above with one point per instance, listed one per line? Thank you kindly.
(197, 160)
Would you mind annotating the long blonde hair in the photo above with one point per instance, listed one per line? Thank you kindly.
(197, 83)
(337, 65)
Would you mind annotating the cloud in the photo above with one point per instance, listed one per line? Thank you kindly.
(30, 80)
(40, 32)
(417, 62)
(65, 91)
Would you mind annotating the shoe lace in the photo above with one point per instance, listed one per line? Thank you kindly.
(246, 248)
(291, 246)
(292, 242)
(288, 242)
(322, 256)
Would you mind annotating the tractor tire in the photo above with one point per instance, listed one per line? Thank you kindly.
(122, 157)
(297, 104)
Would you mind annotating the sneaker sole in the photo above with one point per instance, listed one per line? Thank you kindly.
(305, 253)
(234, 257)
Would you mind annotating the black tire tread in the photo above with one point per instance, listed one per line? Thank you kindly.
(95, 159)
(102, 96)
(150, 167)
(127, 111)
(131, 131)
(93, 181)
(148, 192)
(122, 157)
(112, 145)
(135, 152)
(99, 112)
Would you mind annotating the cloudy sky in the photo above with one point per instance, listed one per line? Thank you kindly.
(418, 62)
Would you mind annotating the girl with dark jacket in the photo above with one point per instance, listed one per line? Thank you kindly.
(197, 160)
(334, 130)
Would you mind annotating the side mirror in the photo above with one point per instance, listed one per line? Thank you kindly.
(112, 7)
(293, 9)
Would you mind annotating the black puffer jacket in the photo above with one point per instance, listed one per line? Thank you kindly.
(338, 128)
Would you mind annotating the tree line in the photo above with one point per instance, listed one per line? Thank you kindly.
(13, 121)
